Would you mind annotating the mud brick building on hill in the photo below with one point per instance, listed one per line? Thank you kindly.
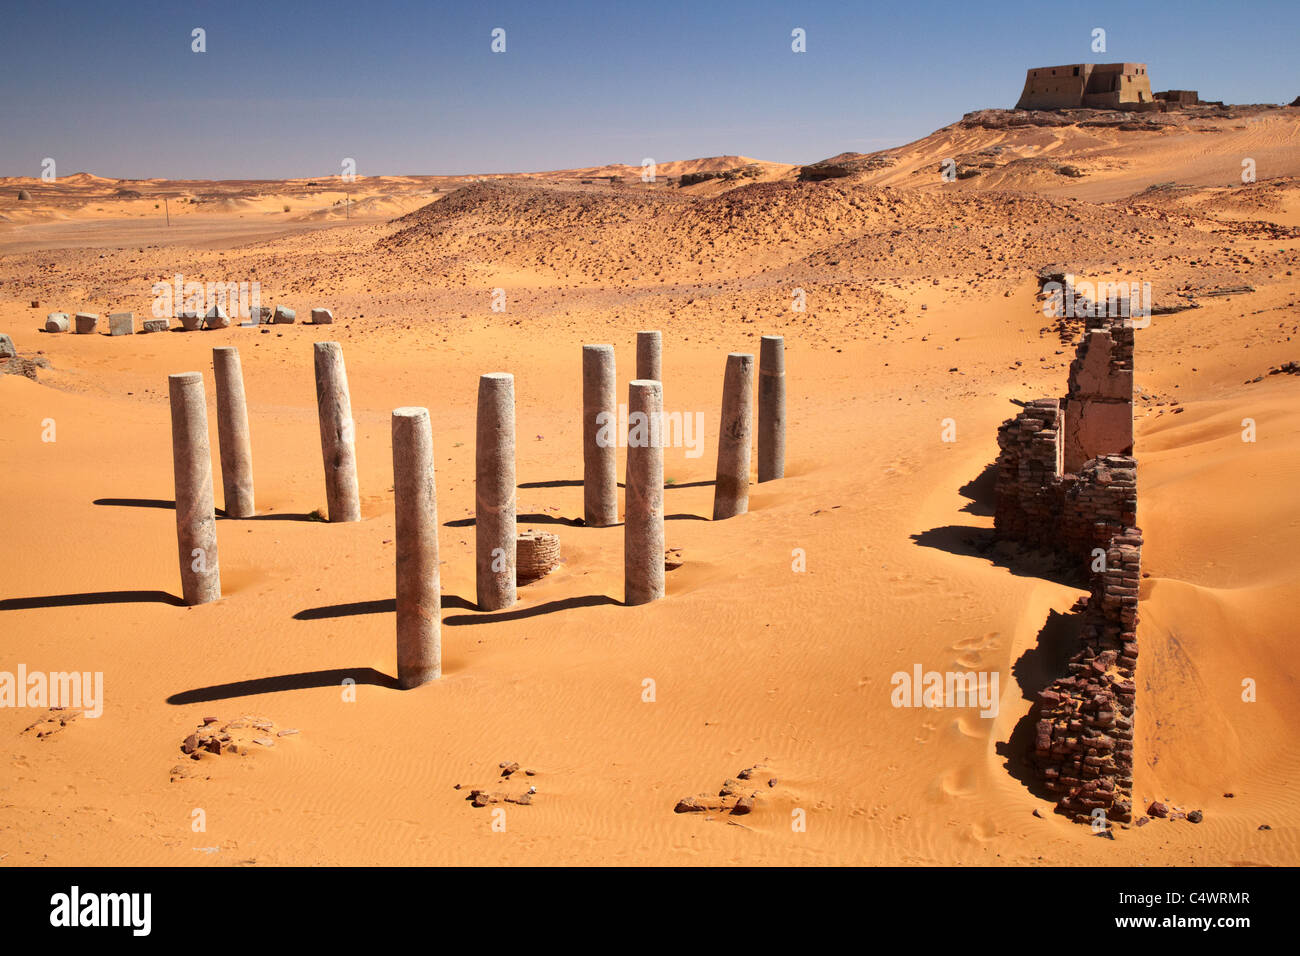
(1103, 86)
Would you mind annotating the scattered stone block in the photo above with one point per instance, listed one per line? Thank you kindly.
(322, 317)
(283, 316)
(216, 318)
(121, 323)
(191, 321)
(7, 349)
(154, 325)
(86, 322)
(259, 315)
(57, 322)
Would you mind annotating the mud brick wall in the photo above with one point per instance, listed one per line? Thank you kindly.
(1098, 405)
(1096, 505)
(1083, 740)
(1066, 483)
(1026, 505)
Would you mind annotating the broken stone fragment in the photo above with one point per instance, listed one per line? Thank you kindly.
(322, 317)
(743, 806)
(191, 744)
(86, 322)
(508, 767)
(216, 318)
(690, 805)
(283, 316)
(57, 322)
(154, 325)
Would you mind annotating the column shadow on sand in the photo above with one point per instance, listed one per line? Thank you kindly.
(380, 606)
(577, 483)
(91, 598)
(283, 682)
(170, 505)
(522, 519)
(519, 614)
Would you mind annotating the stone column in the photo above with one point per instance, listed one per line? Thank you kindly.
(337, 433)
(599, 437)
(232, 432)
(771, 408)
(643, 524)
(415, 502)
(731, 489)
(196, 522)
(649, 356)
(494, 491)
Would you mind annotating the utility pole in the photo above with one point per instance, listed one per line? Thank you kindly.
(167, 209)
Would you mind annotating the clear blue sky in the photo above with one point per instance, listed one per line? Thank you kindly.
(290, 89)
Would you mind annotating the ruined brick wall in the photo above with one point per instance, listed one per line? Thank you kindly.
(1098, 404)
(1096, 505)
(1050, 499)
(1083, 740)
(1029, 462)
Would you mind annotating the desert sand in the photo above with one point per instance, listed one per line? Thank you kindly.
(922, 306)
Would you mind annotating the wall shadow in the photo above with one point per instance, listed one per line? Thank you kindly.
(1041, 664)
(282, 682)
(972, 542)
(91, 598)
(982, 491)
(550, 607)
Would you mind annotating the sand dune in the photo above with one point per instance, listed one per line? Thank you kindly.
(921, 306)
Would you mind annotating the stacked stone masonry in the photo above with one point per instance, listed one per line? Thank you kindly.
(1066, 484)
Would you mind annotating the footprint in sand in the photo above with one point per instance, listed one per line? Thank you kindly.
(970, 650)
(928, 728)
(983, 832)
(958, 783)
(900, 466)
